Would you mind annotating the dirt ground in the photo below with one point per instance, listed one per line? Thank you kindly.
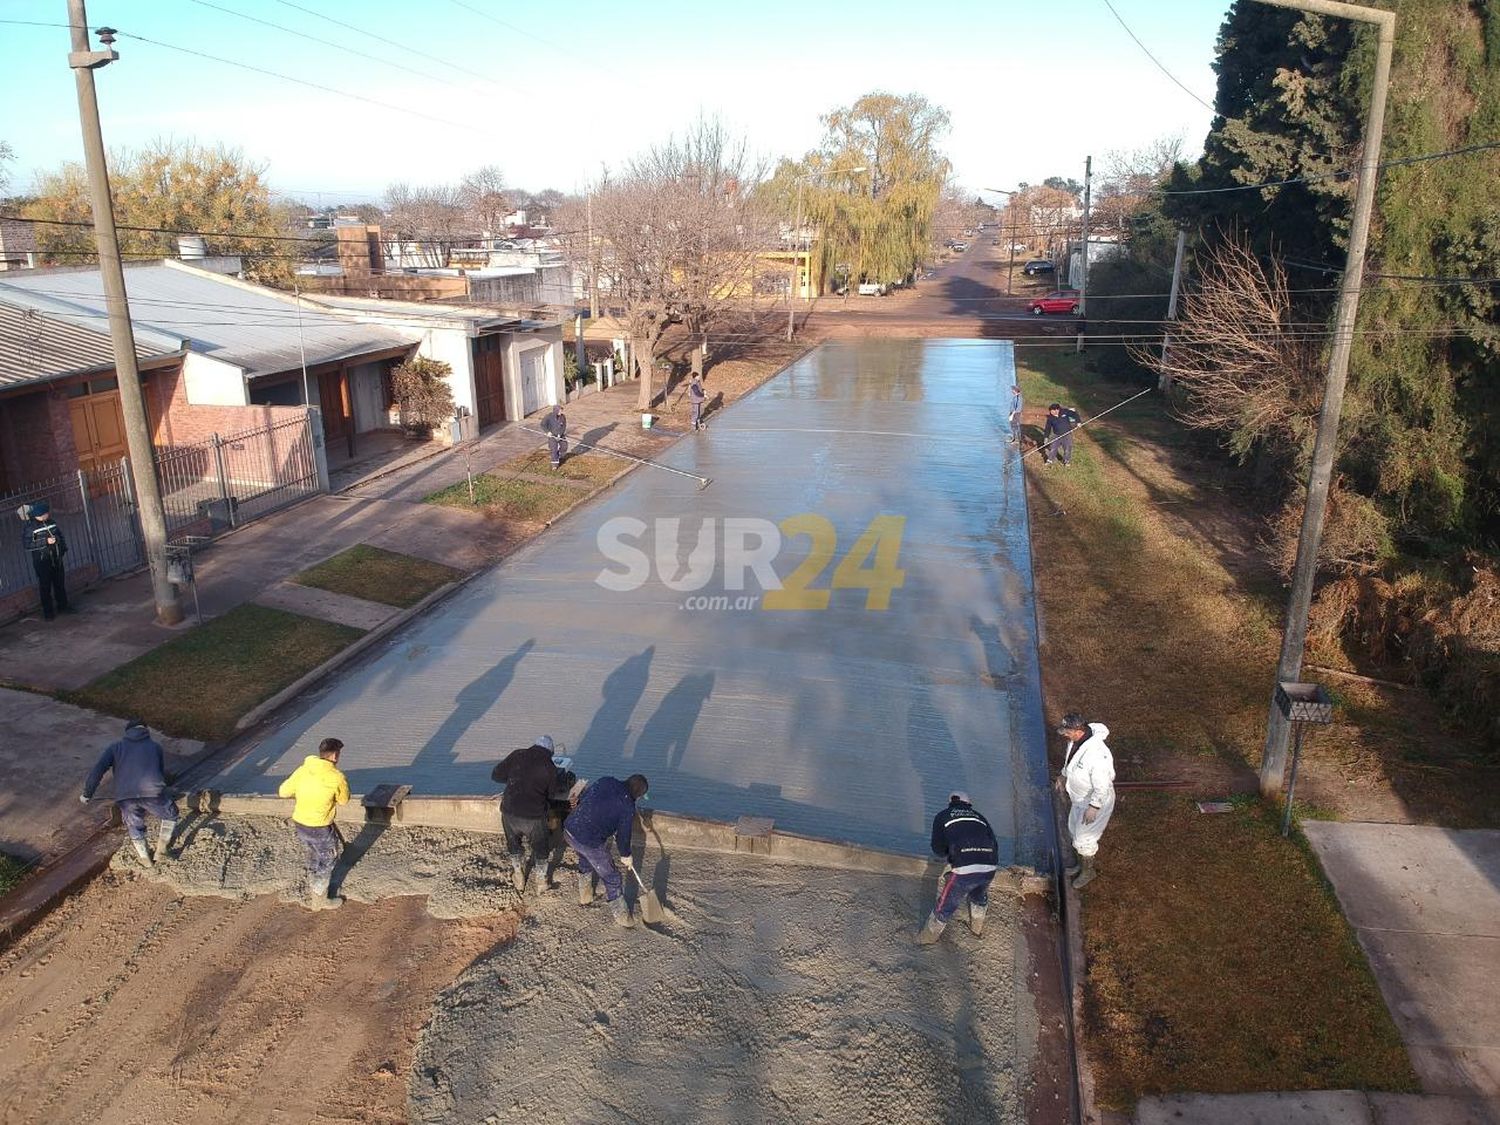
(771, 993)
(131, 1004)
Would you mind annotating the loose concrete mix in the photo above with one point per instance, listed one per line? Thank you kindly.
(771, 992)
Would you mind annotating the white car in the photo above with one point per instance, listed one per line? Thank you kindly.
(871, 289)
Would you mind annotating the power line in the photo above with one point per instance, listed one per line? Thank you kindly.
(1344, 174)
(1159, 65)
(512, 27)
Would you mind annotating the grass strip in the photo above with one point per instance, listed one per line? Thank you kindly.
(504, 498)
(378, 575)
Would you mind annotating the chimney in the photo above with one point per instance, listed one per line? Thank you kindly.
(359, 250)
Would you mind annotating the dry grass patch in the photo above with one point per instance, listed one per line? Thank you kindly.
(199, 684)
(379, 576)
(591, 468)
(506, 498)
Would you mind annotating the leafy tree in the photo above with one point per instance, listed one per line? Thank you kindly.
(422, 389)
(878, 220)
(177, 185)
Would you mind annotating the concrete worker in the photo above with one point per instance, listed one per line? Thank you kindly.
(962, 836)
(696, 395)
(607, 808)
(532, 782)
(318, 787)
(1015, 415)
(140, 789)
(1057, 434)
(556, 427)
(42, 540)
(1088, 778)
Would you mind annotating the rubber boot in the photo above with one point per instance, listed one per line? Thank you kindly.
(318, 897)
(976, 918)
(931, 931)
(1088, 873)
(164, 834)
(517, 874)
(585, 888)
(539, 879)
(143, 853)
(1073, 870)
(620, 911)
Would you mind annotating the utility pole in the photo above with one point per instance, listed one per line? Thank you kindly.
(84, 61)
(1165, 383)
(1083, 269)
(1294, 639)
(791, 293)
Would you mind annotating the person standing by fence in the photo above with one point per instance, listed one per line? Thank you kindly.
(44, 543)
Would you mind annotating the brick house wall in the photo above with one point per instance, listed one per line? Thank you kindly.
(36, 438)
(177, 422)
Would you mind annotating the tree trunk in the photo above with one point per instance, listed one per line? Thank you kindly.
(643, 354)
(698, 355)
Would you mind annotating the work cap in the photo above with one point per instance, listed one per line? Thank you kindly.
(132, 724)
(40, 508)
(545, 742)
(960, 795)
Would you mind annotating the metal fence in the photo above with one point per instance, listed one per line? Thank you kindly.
(207, 489)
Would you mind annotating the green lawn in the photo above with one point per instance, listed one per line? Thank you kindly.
(507, 498)
(378, 576)
(595, 468)
(199, 684)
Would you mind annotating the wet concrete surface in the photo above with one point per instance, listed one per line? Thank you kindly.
(846, 722)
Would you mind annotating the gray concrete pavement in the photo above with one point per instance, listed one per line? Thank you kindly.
(1425, 903)
(47, 749)
(845, 723)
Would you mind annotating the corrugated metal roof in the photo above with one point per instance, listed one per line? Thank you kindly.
(36, 346)
(252, 327)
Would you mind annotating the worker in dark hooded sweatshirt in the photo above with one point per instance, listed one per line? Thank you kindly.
(532, 782)
(963, 837)
(140, 789)
(607, 808)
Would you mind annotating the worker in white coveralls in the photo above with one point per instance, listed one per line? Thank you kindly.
(1088, 778)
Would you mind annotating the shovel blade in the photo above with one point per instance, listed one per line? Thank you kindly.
(650, 906)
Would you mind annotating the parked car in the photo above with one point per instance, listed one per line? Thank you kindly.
(960, 247)
(871, 289)
(1057, 301)
(1036, 266)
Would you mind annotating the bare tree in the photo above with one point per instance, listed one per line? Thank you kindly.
(1129, 179)
(676, 234)
(482, 194)
(426, 222)
(1244, 365)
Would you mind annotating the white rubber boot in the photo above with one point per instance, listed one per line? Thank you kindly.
(931, 931)
(976, 918)
(517, 874)
(620, 911)
(143, 853)
(318, 897)
(539, 879)
(164, 834)
(585, 888)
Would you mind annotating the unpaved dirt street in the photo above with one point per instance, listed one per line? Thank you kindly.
(772, 993)
(132, 1004)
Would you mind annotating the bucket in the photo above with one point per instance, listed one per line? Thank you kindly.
(646, 420)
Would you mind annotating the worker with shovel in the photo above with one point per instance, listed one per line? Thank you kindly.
(607, 808)
(532, 783)
(962, 836)
(140, 789)
(319, 788)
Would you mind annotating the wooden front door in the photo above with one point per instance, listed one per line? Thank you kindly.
(98, 429)
(338, 412)
(489, 386)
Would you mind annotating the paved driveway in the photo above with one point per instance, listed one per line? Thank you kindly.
(846, 722)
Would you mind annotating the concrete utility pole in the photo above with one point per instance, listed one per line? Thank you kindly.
(1083, 269)
(1289, 667)
(791, 293)
(84, 61)
(1165, 383)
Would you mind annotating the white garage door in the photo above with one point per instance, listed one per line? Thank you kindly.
(533, 380)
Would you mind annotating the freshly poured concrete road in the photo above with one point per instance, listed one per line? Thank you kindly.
(846, 723)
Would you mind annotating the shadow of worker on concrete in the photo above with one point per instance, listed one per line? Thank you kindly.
(469, 706)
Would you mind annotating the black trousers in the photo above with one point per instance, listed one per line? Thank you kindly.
(49, 584)
(534, 830)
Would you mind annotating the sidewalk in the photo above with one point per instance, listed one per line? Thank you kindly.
(115, 623)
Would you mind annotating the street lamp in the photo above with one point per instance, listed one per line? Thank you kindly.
(1010, 267)
(791, 307)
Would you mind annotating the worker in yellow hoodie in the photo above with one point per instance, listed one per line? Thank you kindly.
(318, 788)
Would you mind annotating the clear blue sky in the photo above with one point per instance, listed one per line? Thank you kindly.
(1032, 86)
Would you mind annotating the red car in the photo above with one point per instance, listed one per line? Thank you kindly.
(1058, 301)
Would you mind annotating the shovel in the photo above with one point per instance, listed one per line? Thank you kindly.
(650, 905)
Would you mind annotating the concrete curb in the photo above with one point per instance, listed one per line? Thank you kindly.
(667, 830)
(343, 656)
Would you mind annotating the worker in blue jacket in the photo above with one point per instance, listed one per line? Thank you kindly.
(607, 808)
(962, 836)
(140, 789)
